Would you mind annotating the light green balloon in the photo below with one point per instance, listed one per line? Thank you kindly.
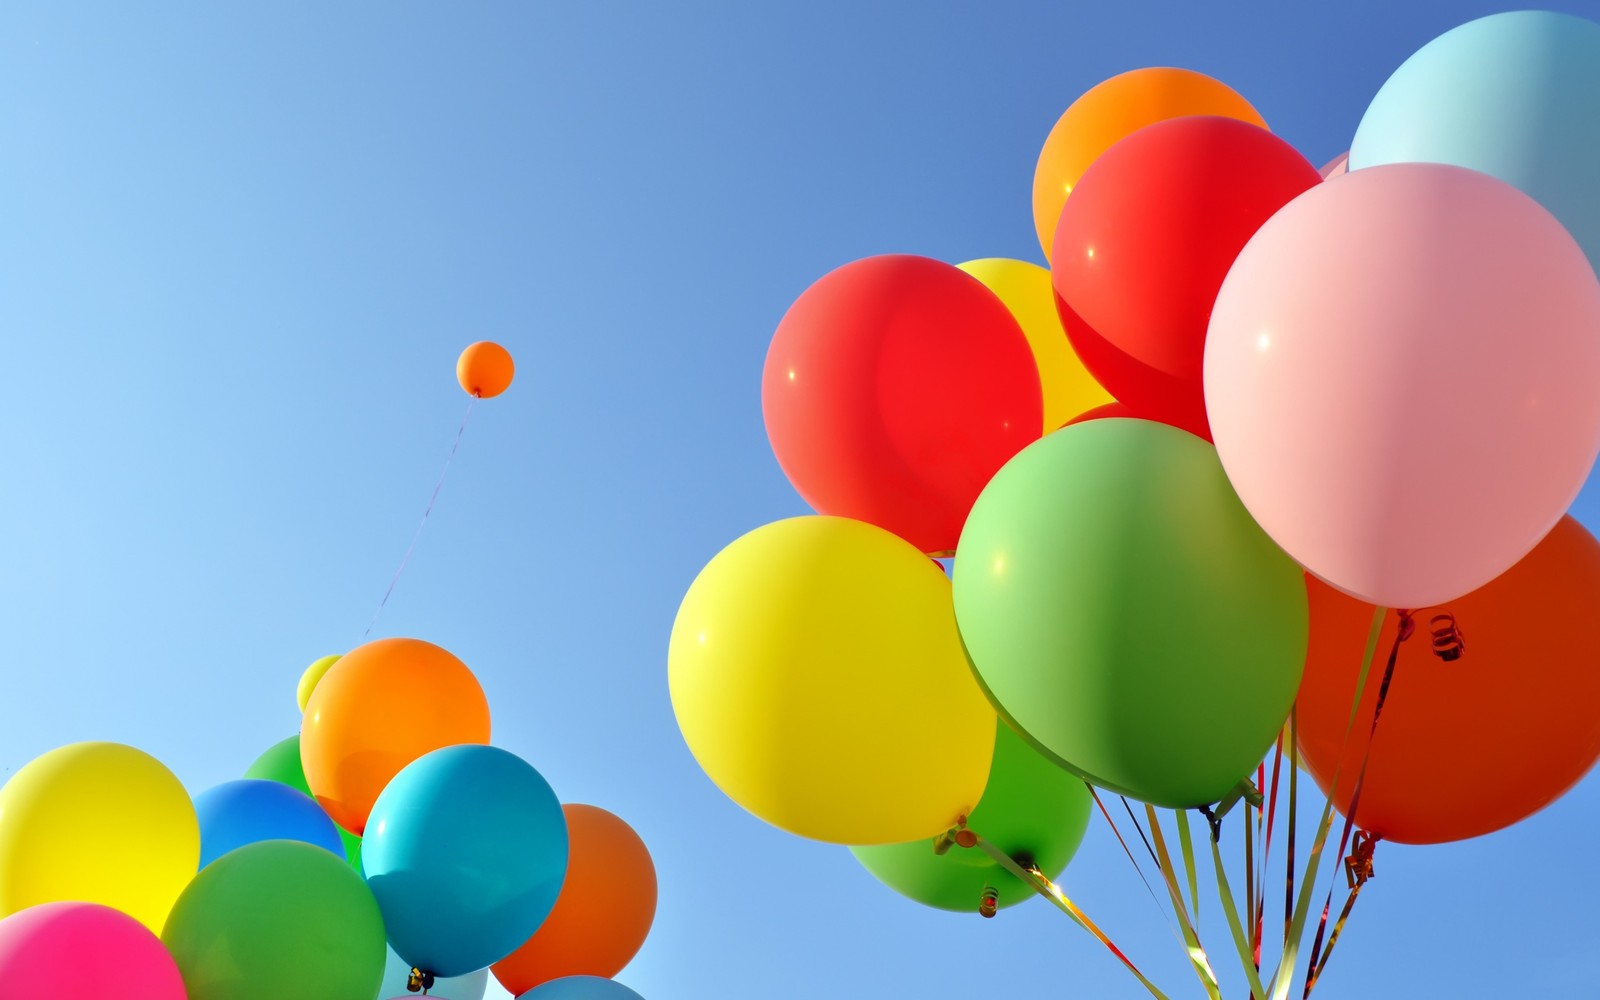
(1126, 614)
(281, 763)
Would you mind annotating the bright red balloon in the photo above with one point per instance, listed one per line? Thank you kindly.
(895, 387)
(1144, 243)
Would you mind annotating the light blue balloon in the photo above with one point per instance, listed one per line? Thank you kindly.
(580, 988)
(236, 813)
(396, 971)
(1513, 95)
(465, 851)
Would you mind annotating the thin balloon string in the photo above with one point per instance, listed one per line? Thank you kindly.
(405, 559)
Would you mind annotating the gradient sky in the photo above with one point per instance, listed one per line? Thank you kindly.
(242, 244)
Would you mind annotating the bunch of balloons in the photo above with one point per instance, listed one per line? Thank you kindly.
(1249, 404)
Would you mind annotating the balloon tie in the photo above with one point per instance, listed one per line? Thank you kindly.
(989, 902)
(419, 981)
(1358, 866)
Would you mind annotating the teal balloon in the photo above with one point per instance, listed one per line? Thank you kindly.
(274, 919)
(1032, 809)
(580, 988)
(1126, 615)
(281, 763)
(1513, 95)
(396, 971)
(465, 851)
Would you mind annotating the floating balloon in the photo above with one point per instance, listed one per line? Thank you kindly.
(275, 919)
(236, 813)
(396, 973)
(99, 823)
(818, 679)
(1025, 288)
(1514, 95)
(83, 951)
(1336, 167)
(604, 912)
(581, 988)
(1490, 715)
(1111, 111)
(894, 388)
(1145, 241)
(485, 369)
(312, 676)
(281, 763)
(466, 855)
(379, 708)
(1126, 614)
(1400, 376)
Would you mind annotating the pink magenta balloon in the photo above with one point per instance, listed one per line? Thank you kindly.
(1403, 376)
(83, 951)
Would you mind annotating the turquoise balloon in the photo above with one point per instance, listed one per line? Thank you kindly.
(396, 972)
(580, 988)
(465, 851)
(1514, 95)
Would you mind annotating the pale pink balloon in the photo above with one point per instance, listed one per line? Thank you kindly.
(1336, 167)
(1403, 377)
(83, 951)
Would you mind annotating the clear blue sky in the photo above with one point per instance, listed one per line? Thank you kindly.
(242, 244)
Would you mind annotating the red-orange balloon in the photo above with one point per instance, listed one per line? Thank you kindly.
(379, 708)
(1466, 746)
(604, 911)
(485, 369)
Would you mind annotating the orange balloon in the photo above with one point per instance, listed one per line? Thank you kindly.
(485, 369)
(604, 911)
(1114, 110)
(379, 708)
(1471, 745)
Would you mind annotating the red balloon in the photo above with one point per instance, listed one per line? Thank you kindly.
(1144, 243)
(895, 387)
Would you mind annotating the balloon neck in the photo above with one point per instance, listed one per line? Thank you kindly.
(419, 981)
(989, 902)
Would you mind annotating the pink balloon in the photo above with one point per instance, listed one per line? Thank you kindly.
(1403, 376)
(1336, 167)
(84, 951)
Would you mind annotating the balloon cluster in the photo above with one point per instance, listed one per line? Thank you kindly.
(385, 850)
(1248, 404)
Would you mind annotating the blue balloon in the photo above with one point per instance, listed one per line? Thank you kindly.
(1513, 95)
(465, 851)
(396, 971)
(236, 813)
(580, 988)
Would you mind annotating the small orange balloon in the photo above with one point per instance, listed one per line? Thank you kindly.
(1490, 714)
(604, 911)
(1114, 110)
(380, 707)
(485, 369)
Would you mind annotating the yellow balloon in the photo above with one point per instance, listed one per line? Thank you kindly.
(311, 678)
(101, 823)
(818, 678)
(1069, 389)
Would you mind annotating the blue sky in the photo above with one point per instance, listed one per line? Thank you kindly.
(241, 246)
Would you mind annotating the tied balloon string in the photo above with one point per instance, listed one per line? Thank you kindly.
(1191, 937)
(1271, 814)
(454, 447)
(1139, 869)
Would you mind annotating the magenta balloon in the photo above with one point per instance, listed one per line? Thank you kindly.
(1403, 376)
(83, 951)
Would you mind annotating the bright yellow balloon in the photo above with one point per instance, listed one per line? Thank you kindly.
(1069, 389)
(818, 678)
(101, 823)
(311, 678)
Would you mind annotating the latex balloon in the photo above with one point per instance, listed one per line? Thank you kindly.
(1514, 95)
(1126, 614)
(1025, 288)
(98, 823)
(311, 677)
(894, 388)
(485, 369)
(396, 971)
(277, 918)
(379, 708)
(248, 810)
(1336, 167)
(1124, 410)
(1145, 241)
(1471, 744)
(1111, 111)
(1031, 809)
(1402, 312)
(581, 988)
(604, 912)
(818, 679)
(466, 855)
(281, 763)
(83, 951)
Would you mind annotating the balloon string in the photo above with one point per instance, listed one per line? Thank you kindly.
(1138, 869)
(454, 447)
(1271, 815)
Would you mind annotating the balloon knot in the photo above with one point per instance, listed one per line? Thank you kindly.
(989, 902)
(1407, 625)
(1358, 866)
(419, 981)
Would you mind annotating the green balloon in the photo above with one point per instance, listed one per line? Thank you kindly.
(1126, 614)
(1031, 809)
(277, 918)
(281, 763)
